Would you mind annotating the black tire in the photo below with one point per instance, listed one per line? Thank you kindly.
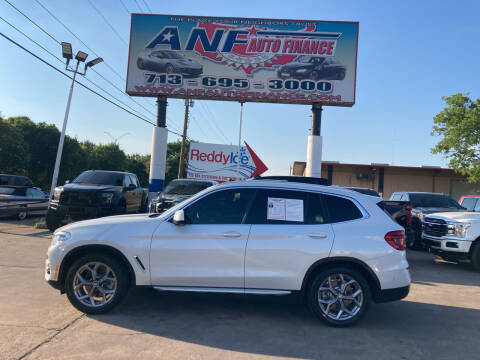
(315, 75)
(22, 215)
(475, 257)
(121, 284)
(140, 64)
(347, 273)
(52, 220)
(169, 69)
(341, 75)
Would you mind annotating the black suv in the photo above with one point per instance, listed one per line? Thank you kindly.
(424, 203)
(313, 67)
(96, 193)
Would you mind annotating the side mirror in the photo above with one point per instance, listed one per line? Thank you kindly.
(130, 187)
(179, 217)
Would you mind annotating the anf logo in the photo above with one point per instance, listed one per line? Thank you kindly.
(168, 36)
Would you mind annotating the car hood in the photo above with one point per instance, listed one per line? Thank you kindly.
(88, 187)
(436, 210)
(174, 197)
(463, 216)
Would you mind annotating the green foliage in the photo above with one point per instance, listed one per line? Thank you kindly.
(459, 126)
(173, 160)
(12, 150)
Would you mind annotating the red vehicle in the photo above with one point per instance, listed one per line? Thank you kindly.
(470, 202)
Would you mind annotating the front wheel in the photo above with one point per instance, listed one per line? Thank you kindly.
(339, 296)
(95, 284)
(22, 215)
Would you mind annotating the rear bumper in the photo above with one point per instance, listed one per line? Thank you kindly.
(392, 294)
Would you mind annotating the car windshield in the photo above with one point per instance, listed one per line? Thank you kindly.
(304, 59)
(173, 55)
(433, 201)
(100, 178)
(185, 187)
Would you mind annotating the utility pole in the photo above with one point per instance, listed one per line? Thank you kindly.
(188, 103)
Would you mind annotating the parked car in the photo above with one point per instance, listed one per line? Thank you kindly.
(15, 180)
(168, 61)
(454, 236)
(335, 246)
(424, 203)
(26, 201)
(470, 202)
(96, 193)
(177, 191)
(313, 67)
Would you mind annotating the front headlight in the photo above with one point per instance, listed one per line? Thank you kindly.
(302, 70)
(420, 215)
(107, 198)
(458, 229)
(56, 193)
(60, 236)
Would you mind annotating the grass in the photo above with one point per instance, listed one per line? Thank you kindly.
(40, 225)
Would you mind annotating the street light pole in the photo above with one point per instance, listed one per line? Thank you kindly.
(80, 57)
(62, 137)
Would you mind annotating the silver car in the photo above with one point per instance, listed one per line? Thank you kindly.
(27, 201)
(169, 61)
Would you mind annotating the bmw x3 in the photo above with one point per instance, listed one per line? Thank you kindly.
(335, 247)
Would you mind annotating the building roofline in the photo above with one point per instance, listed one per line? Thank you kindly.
(423, 167)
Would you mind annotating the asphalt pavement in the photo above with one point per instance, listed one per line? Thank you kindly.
(438, 320)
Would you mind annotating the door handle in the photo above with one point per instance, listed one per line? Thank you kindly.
(231, 234)
(318, 236)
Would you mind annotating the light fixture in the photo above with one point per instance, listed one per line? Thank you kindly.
(81, 56)
(94, 62)
(67, 50)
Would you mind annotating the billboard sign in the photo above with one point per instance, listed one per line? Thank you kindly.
(243, 59)
(219, 162)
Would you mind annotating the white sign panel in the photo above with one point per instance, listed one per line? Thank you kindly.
(220, 162)
(285, 209)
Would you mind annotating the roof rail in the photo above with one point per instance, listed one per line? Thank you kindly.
(298, 179)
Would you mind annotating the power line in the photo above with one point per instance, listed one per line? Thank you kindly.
(125, 7)
(146, 5)
(60, 60)
(78, 82)
(207, 108)
(108, 23)
(58, 42)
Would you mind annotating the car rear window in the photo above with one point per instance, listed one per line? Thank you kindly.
(433, 201)
(341, 209)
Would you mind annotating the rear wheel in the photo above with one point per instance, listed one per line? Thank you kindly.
(169, 69)
(95, 284)
(341, 75)
(22, 215)
(339, 296)
(140, 64)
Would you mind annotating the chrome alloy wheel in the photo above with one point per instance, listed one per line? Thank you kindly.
(95, 284)
(340, 297)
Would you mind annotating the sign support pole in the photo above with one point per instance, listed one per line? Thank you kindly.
(314, 147)
(239, 139)
(159, 149)
(184, 137)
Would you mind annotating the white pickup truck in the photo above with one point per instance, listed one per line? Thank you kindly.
(453, 236)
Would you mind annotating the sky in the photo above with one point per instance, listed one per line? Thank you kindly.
(410, 54)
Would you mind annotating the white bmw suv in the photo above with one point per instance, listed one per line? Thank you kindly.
(336, 247)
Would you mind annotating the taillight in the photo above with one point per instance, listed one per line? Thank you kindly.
(396, 239)
(409, 208)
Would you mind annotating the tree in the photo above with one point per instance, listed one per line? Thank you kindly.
(459, 126)
(13, 153)
(137, 164)
(173, 160)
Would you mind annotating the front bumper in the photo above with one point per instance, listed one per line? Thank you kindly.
(447, 244)
(81, 212)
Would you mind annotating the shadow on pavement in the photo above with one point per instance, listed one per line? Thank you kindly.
(284, 327)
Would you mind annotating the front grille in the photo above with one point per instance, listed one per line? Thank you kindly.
(434, 227)
(78, 198)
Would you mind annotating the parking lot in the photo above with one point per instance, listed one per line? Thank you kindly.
(439, 319)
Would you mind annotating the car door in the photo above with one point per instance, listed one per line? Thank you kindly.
(36, 207)
(129, 194)
(137, 193)
(209, 250)
(289, 233)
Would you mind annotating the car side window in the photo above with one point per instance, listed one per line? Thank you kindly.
(395, 196)
(469, 204)
(477, 206)
(221, 207)
(127, 181)
(315, 210)
(132, 180)
(268, 203)
(341, 209)
(135, 181)
(404, 197)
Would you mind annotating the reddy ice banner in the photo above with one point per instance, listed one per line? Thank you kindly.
(243, 59)
(219, 162)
